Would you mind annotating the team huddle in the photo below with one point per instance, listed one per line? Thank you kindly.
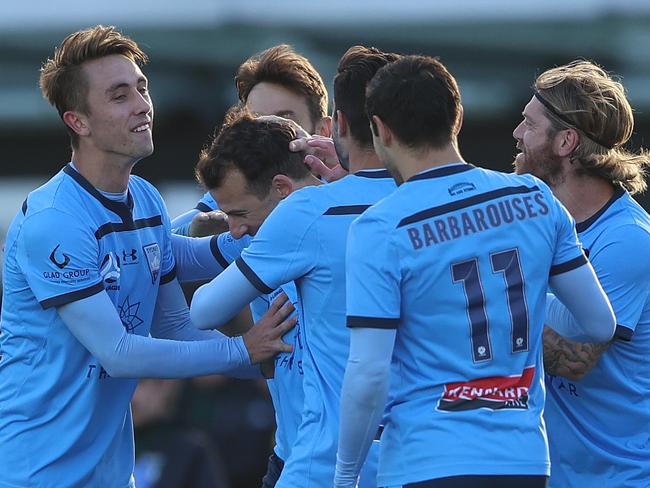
(421, 321)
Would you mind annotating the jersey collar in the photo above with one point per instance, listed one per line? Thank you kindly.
(373, 173)
(124, 210)
(585, 224)
(449, 169)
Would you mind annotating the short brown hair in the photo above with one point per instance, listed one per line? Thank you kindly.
(586, 98)
(283, 66)
(62, 82)
(353, 73)
(257, 147)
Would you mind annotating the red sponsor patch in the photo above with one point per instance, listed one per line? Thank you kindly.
(497, 392)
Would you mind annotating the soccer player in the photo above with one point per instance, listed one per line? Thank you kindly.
(448, 276)
(598, 395)
(88, 276)
(277, 81)
(248, 167)
(303, 239)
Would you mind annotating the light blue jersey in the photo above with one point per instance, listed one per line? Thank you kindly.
(63, 420)
(181, 224)
(599, 426)
(458, 261)
(303, 240)
(286, 386)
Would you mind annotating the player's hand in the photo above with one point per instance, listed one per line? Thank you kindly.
(321, 156)
(208, 224)
(264, 339)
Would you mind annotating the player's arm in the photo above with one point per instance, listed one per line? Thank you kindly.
(196, 258)
(570, 359)
(363, 399)
(181, 224)
(623, 275)
(95, 323)
(579, 310)
(216, 302)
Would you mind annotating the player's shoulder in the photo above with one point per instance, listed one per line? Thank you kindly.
(499, 178)
(386, 213)
(305, 203)
(57, 195)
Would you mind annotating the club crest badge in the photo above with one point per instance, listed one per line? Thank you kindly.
(153, 255)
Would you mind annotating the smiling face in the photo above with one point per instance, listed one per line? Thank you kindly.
(272, 99)
(120, 113)
(535, 137)
(246, 211)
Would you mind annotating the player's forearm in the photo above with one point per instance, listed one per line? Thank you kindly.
(363, 399)
(96, 325)
(570, 359)
(580, 310)
(216, 302)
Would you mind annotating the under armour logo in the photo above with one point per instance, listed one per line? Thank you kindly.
(59, 264)
(132, 256)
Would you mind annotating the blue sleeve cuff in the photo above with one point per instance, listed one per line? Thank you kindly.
(73, 296)
(568, 266)
(372, 322)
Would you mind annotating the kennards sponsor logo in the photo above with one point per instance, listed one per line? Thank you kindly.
(495, 393)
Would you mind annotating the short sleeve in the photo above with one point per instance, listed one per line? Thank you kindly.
(168, 264)
(207, 203)
(568, 253)
(373, 277)
(623, 266)
(225, 248)
(58, 255)
(285, 247)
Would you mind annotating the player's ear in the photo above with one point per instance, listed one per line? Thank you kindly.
(77, 122)
(324, 127)
(342, 127)
(381, 131)
(567, 141)
(282, 186)
(459, 121)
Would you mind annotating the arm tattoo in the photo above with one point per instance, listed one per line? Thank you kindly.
(570, 359)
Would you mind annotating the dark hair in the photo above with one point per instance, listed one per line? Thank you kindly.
(418, 99)
(283, 66)
(256, 147)
(62, 81)
(356, 68)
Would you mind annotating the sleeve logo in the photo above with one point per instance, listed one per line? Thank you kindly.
(153, 255)
(60, 263)
(110, 271)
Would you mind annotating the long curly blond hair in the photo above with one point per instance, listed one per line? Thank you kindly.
(586, 98)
